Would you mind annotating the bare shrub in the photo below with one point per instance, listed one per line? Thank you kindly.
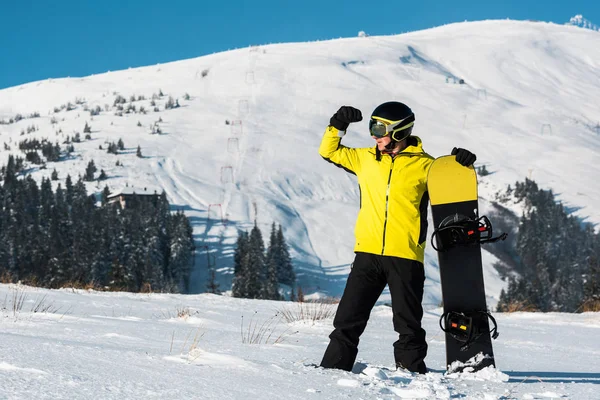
(41, 305)
(518, 306)
(18, 299)
(591, 305)
(309, 311)
(183, 312)
(146, 288)
(263, 332)
(194, 344)
(81, 285)
(14, 302)
(6, 277)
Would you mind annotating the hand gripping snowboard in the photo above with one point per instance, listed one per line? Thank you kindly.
(458, 233)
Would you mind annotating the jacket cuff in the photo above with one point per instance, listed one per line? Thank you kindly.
(333, 131)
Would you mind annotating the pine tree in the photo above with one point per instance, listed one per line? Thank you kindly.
(270, 289)
(249, 281)
(240, 250)
(3, 231)
(90, 171)
(181, 249)
(105, 194)
(100, 264)
(34, 250)
(170, 103)
(119, 275)
(134, 249)
(10, 172)
(112, 148)
(157, 246)
(239, 286)
(60, 242)
(154, 265)
(212, 286)
(68, 193)
(12, 225)
(46, 204)
(591, 289)
(272, 250)
(82, 243)
(285, 272)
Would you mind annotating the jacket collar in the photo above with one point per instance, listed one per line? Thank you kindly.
(415, 147)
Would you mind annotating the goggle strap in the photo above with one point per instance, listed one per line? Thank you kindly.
(393, 134)
(404, 127)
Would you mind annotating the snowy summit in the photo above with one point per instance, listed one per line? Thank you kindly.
(581, 22)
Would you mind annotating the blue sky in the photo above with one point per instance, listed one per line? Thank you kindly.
(42, 39)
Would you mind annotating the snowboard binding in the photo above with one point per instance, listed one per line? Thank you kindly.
(463, 326)
(459, 230)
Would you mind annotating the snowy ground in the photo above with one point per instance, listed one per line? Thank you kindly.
(82, 345)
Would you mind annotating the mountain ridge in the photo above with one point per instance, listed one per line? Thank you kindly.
(580, 21)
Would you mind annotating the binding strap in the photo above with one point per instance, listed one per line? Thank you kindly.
(460, 326)
(458, 230)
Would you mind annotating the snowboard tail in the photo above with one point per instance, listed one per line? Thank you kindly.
(458, 233)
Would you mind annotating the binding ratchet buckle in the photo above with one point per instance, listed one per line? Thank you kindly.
(458, 230)
(460, 326)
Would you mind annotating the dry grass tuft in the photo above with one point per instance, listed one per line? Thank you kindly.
(41, 305)
(264, 332)
(518, 306)
(184, 312)
(310, 311)
(591, 305)
(15, 301)
(193, 345)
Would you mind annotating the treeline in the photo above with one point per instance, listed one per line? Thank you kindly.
(54, 238)
(259, 272)
(558, 257)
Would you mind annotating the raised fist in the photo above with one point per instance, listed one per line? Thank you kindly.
(344, 117)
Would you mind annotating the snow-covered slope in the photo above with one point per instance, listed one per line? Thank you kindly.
(65, 344)
(527, 108)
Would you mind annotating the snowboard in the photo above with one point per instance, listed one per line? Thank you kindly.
(453, 195)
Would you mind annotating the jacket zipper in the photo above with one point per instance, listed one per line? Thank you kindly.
(387, 196)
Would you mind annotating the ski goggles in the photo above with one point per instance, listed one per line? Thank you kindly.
(379, 127)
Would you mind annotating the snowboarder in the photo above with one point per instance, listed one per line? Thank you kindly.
(390, 231)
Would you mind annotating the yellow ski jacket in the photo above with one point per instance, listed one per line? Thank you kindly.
(392, 220)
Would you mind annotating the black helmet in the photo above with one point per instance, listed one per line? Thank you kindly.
(392, 118)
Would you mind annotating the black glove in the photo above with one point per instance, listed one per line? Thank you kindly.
(344, 117)
(463, 157)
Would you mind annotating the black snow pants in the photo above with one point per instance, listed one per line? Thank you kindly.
(368, 277)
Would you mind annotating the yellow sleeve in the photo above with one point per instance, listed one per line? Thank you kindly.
(331, 150)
